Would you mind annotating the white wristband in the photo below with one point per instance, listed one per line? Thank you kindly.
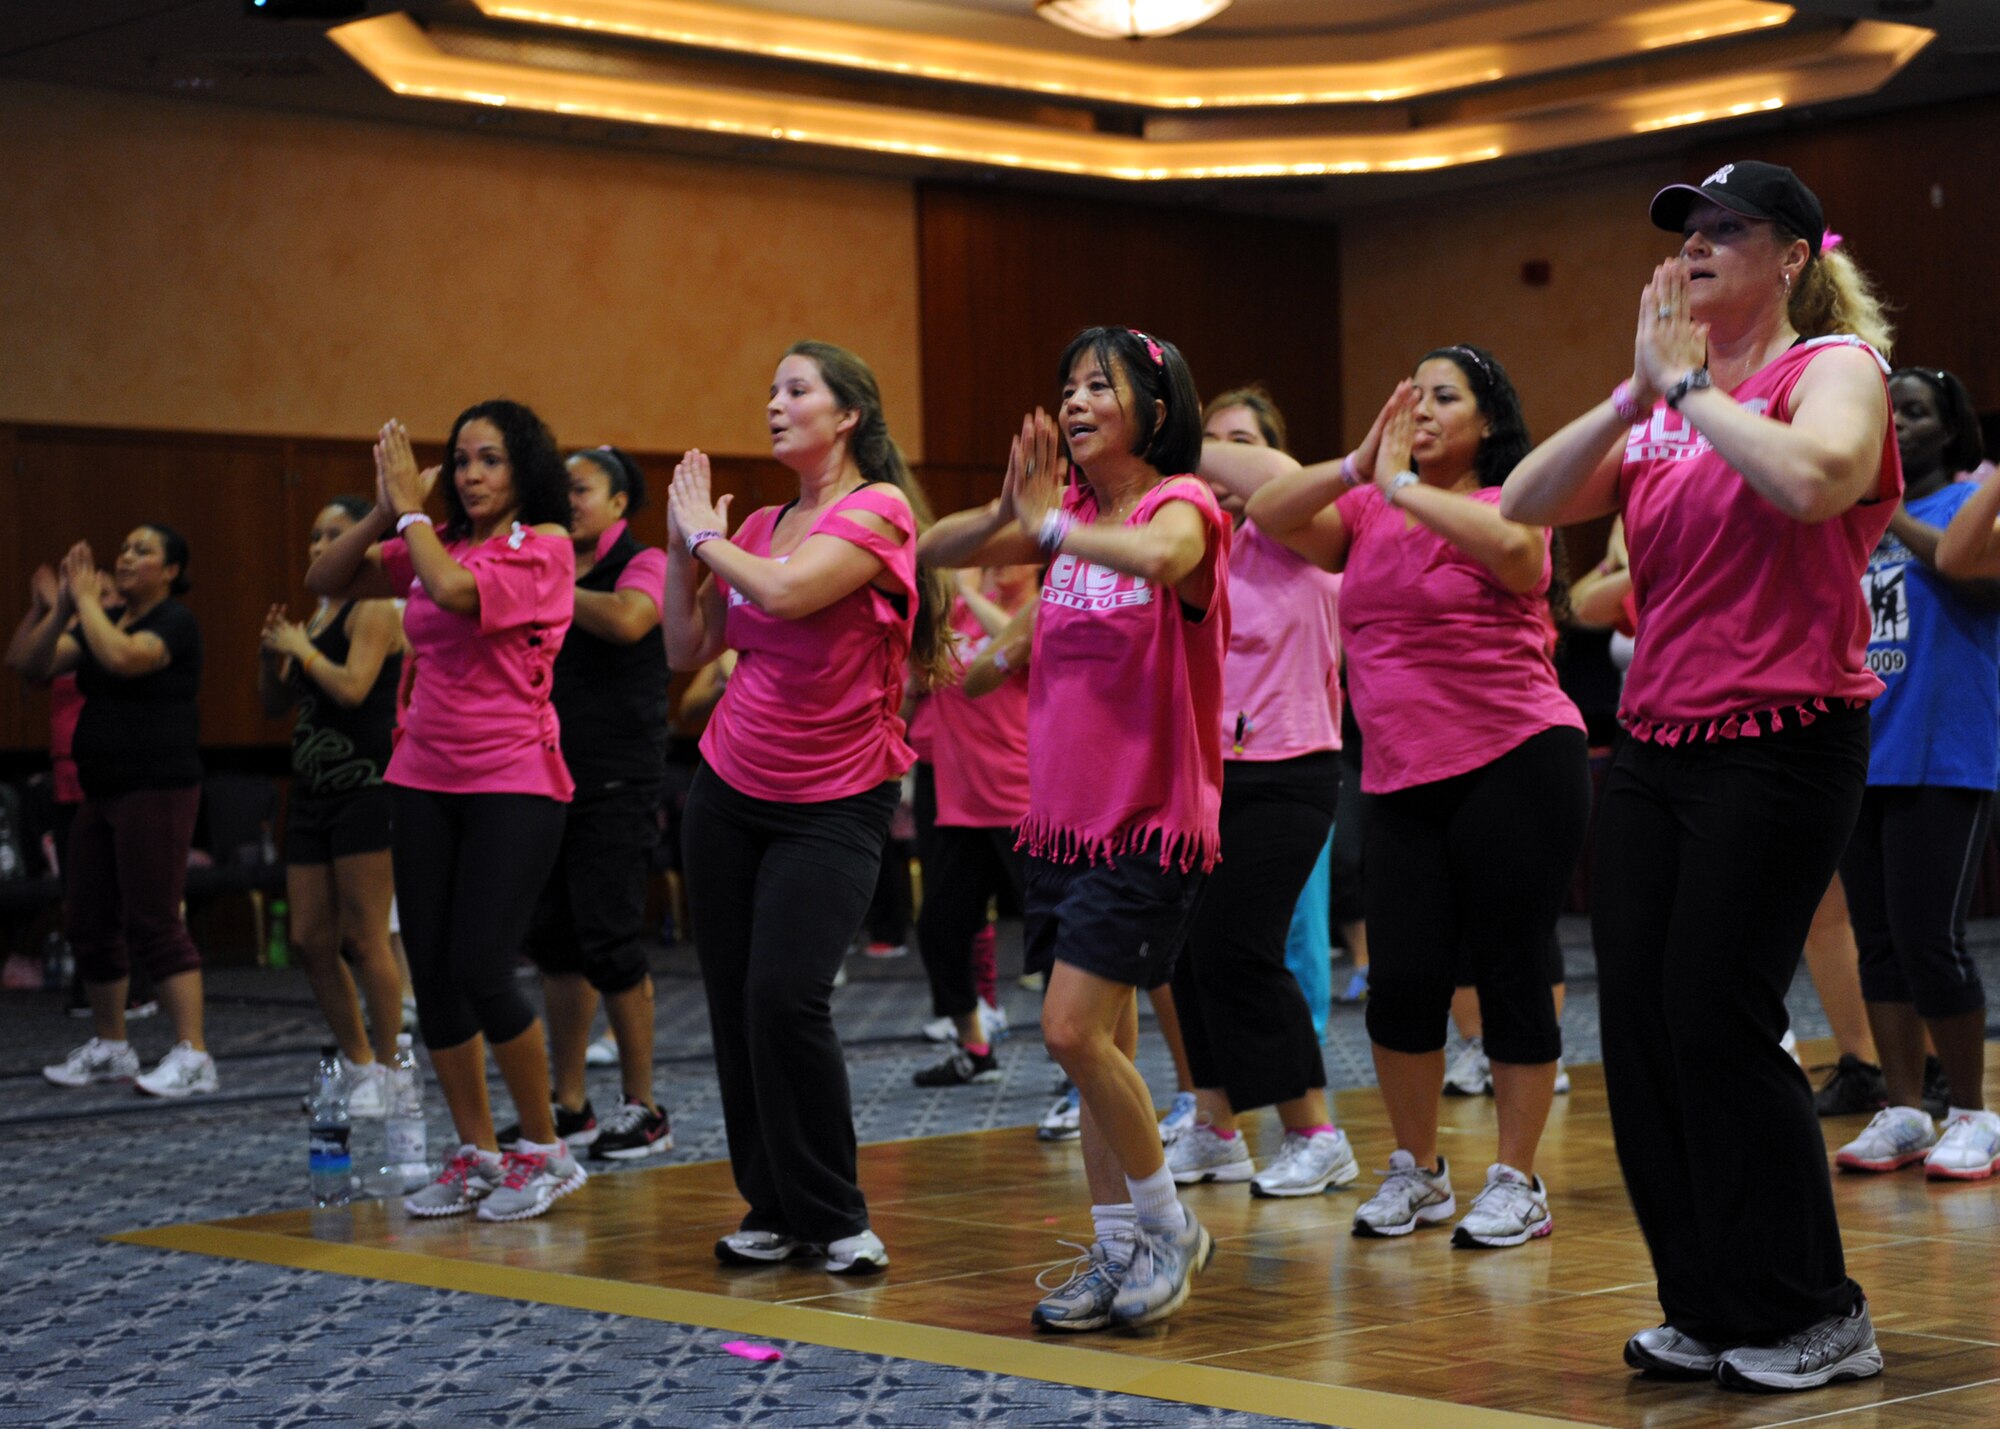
(1400, 480)
(412, 518)
(1000, 661)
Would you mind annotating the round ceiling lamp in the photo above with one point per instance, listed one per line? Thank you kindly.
(1129, 19)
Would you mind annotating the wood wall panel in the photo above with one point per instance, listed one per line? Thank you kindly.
(1008, 277)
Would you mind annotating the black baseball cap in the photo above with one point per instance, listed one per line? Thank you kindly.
(1753, 189)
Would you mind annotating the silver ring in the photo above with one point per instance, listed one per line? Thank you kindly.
(1665, 312)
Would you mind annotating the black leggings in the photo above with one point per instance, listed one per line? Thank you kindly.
(776, 891)
(1910, 870)
(469, 868)
(1710, 859)
(964, 870)
(1469, 872)
(1350, 828)
(1248, 1029)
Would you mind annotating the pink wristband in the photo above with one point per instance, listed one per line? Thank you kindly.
(695, 538)
(1628, 409)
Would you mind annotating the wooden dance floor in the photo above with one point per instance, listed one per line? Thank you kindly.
(1294, 1317)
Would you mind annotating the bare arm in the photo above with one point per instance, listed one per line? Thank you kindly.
(994, 534)
(1242, 469)
(35, 637)
(992, 619)
(275, 691)
(1297, 509)
(374, 633)
(1014, 645)
(704, 691)
(127, 654)
(1970, 545)
(1514, 554)
(623, 617)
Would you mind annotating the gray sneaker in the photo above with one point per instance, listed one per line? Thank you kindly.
(761, 1248)
(1509, 1209)
(1470, 1073)
(1198, 1155)
(531, 1181)
(1669, 1354)
(466, 1180)
(1083, 1300)
(1838, 1347)
(95, 1061)
(1307, 1165)
(1163, 1267)
(1410, 1196)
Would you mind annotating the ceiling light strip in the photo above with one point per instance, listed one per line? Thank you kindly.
(1425, 68)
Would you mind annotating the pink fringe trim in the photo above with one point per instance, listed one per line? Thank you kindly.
(1745, 724)
(1060, 843)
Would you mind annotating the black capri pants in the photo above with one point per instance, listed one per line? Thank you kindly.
(1346, 902)
(776, 892)
(1711, 857)
(1910, 871)
(468, 869)
(1470, 872)
(964, 870)
(592, 913)
(1244, 1018)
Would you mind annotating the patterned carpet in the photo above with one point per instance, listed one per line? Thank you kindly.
(98, 1334)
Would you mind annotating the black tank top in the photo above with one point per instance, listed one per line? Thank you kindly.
(337, 750)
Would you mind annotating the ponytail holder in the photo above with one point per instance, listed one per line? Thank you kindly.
(1152, 348)
(1829, 240)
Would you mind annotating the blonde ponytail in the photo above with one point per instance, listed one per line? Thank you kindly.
(1834, 296)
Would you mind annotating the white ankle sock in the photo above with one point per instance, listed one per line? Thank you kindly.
(1116, 1227)
(1158, 1207)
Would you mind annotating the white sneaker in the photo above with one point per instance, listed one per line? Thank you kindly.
(940, 1029)
(1064, 1120)
(862, 1254)
(367, 1090)
(993, 1017)
(1969, 1150)
(602, 1053)
(1470, 1074)
(1201, 1154)
(183, 1072)
(1410, 1196)
(95, 1061)
(1307, 1165)
(1896, 1137)
(1509, 1210)
(1179, 1117)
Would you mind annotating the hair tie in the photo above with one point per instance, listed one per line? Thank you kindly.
(1829, 240)
(1152, 348)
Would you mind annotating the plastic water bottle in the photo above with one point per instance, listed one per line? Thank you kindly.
(329, 1145)
(406, 1150)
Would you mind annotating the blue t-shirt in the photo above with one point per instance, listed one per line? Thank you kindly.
(1938, 720)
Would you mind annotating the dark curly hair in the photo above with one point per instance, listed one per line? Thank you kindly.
(1966, 449)
(1505, 443)
(541, 481)
(876, 454)
(1156, 372)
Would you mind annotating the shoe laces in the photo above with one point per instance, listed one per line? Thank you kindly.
(1088, 1261)
(1291, 1151)
(627, 1116)
(518, 1168)
(1816, 1341)
(459, 1168)
(1506, 1194)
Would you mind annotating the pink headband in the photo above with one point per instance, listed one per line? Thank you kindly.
(1152, 348)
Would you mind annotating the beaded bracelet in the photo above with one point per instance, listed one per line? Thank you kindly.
(1626, 405)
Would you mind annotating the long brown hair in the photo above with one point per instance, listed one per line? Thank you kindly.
(875, 452)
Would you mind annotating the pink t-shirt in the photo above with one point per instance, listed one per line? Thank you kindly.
(1125, 702)
(1740, 608)
(813, 711)
(921, 736)
(65, 709)
(646, 571)
(1447, 668)
(1280, 685)
(479, 719)
(981, 745)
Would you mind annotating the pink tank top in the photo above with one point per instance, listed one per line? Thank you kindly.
(813, 711)
(1280, 685)
(981, 746)
(1744, 614)
(479, 719)
(1447, 668)
(1125, 703)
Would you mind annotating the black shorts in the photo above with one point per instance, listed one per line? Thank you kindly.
(1124, 920)
(590, 921)
(322, 828)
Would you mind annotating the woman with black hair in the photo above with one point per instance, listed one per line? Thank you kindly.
(782, 837)
(340, 669)
(611, 696)
(1933, 765)
(138, 668)
(478, 776)
(1475, 762)
(1124, 768)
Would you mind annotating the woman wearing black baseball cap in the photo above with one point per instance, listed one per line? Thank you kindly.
(1754, 460)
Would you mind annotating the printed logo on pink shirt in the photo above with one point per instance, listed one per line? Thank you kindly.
(1668, 436)
(1085, 585)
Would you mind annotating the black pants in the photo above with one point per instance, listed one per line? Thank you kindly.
(1710, 859)
(964, 870)
(1910, 871)
(592, 913)
(1244, 1018)
(1350, 829)
(1466, 876)
(776, 891)
(468, 870)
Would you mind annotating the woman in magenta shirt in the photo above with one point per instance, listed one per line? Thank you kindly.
(1124, 767)
(478, 778)
(1475, 761)
(804, 758)
(1754, 459)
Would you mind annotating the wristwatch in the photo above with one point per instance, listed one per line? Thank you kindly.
(1695, 381)
(1400, 480)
